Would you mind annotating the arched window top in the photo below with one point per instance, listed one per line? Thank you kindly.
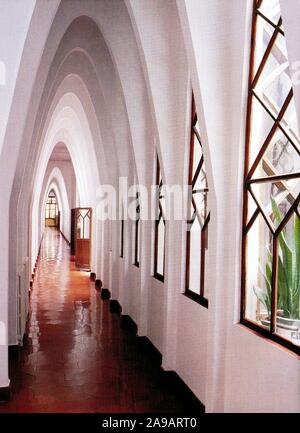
(270, 75)
(52, 194)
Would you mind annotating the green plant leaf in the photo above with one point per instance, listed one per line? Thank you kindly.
(276, 211)
(287, 269)
(296, 270)
(288, 283)
(262, 297)
(283, 289)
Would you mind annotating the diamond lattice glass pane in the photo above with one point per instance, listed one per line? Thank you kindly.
(195, 257)
(191, 210)
(197, 155)
(279, 158)
(138, 242)
(259, 273)
(290, 123)
(271, 10)
(159, 174)
(275, 82)
(261, 125)
(272, 195)
(200, 201)
(197, 127)
(264, 32)
(201, 182)
(252, 206)
(163, 206)
(160, 247)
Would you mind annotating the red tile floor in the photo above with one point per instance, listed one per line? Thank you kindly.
(75, 357)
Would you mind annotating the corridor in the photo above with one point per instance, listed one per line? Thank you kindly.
(170, 161)
(76, 358)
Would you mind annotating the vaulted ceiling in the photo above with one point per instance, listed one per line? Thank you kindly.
(60, 153)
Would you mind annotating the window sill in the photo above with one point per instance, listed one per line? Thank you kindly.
(159, 277)
(271, 338)
(197, 298)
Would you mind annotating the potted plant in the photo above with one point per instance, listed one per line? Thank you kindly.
(288, 311)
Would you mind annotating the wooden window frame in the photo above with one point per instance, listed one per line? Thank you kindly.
(271, 175)
(160, 216)
(137, 222)
(51, 200)
(198, 297)
(122, 227)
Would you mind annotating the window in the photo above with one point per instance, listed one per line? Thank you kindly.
(84, 221)
(51, 210)
(122, 234)
(160, 228)
(198, 218)
(271, 218)
(137, 233)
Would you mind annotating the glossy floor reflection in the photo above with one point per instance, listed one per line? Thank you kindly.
(76, 358)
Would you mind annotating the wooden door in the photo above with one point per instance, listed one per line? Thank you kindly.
(83, 238)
